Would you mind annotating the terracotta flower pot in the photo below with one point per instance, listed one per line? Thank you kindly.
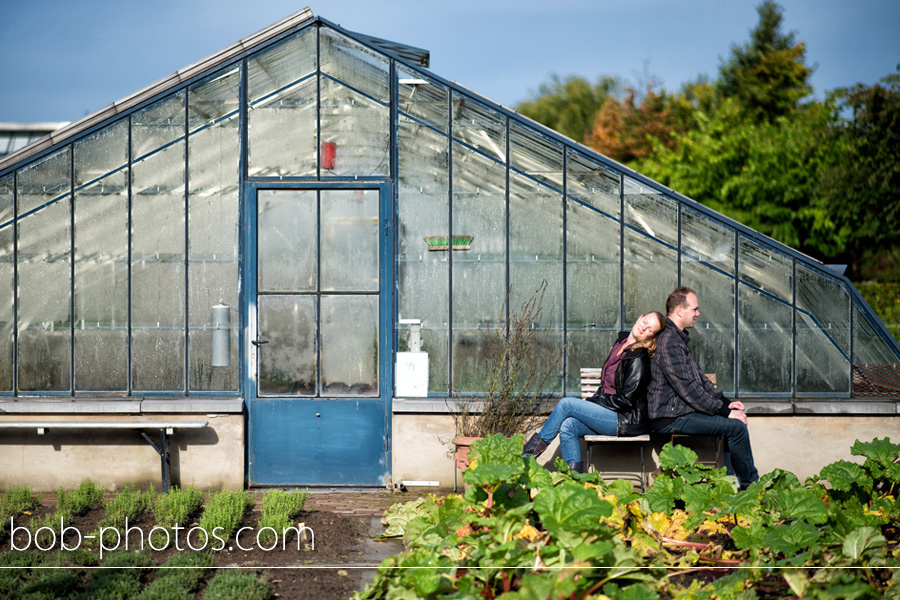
(463, 443)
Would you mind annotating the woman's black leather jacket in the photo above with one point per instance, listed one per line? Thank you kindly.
(630, 399)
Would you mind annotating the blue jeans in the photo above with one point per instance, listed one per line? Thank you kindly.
(574, 418)
(738, 455)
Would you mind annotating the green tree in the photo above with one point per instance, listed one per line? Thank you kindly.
(767, 76)
(763, 175)
(569, 105)
(861, 184)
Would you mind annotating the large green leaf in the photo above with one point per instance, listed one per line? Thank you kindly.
(791, 539)
(673, 457)
(862, 539)
(492, 474)
(496, 448)
(882, 451)
(881, 458)
(798, 503)
(572, 507)
(662, 494)
(844, 476)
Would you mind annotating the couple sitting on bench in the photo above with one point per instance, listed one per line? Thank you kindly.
(651, 382)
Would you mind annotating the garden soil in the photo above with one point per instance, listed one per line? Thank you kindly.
(340, 555)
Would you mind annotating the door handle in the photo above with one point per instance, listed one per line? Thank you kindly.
(258, 343)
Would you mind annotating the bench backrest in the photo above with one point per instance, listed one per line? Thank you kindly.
(591, 380)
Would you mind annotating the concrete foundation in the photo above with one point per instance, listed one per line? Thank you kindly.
(213, 457)
(209, 458)
(799, 444)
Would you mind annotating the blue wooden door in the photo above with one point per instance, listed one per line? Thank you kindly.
(318, 336)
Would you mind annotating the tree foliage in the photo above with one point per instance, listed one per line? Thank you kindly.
(767, 76)
(629, 129)
(820, 176)
(861, 186)
(569, 105)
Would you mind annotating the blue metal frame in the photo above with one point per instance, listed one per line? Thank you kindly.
(386, 317)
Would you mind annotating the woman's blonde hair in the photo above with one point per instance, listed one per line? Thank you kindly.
(650, 344)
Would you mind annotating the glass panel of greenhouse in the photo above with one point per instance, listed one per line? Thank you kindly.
(416, 208)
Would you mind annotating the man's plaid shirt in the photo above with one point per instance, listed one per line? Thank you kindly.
(677, 386)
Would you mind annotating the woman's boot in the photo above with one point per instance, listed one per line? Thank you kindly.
(535, 446)
(576, 467)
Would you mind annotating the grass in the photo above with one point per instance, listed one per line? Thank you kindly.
(17, 500)
(277, 513)
(178, 578)
(177, 507)
(24, 574)
(236, 585)
(80, 500)
(224, 511)
(49, 529)
(127, 506)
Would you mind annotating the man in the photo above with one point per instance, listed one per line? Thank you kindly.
(681, 399)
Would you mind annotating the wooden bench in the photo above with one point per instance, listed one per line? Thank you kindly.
(165, 428)
(590, 383)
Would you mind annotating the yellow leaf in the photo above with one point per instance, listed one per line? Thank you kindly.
(528, 532)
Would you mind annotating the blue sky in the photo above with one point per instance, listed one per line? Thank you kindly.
(64, 59)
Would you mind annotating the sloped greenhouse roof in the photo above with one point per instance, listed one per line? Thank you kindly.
(534, 143)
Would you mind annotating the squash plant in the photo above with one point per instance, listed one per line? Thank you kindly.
(522, 532)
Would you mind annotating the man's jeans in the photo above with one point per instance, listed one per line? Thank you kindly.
(738, 455)
(574, 418)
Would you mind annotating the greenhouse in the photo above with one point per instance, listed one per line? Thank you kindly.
(301, 239)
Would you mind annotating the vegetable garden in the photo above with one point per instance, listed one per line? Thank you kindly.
(523, 532)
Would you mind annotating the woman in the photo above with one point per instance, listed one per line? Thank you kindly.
(618, 407)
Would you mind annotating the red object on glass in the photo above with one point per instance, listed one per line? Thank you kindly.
(328, 151)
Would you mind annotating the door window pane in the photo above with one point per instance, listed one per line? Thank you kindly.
(350, 345)
(287, 244)
(350, 240)
(287, 359)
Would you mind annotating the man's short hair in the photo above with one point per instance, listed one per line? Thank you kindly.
(677, 298)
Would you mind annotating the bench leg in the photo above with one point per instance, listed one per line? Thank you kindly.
(165, 464)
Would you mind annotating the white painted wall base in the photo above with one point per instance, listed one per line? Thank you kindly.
(799, 444)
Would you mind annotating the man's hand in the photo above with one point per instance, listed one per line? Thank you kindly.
(740, 415)
(736, 405)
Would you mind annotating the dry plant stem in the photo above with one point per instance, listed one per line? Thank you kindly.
(520, 360)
